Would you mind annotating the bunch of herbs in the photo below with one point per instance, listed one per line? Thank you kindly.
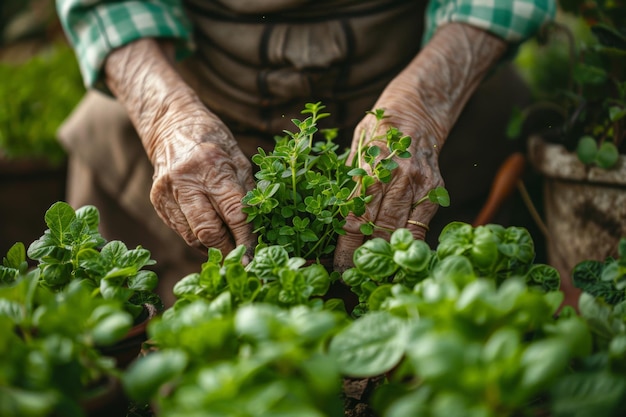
(305, 188)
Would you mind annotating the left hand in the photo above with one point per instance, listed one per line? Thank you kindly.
(424, 102)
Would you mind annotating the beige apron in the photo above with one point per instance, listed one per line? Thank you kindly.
(256, 68)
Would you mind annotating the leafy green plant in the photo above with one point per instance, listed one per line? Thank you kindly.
(305, 189)
(72, 249)
(50, 362)
(272, 277)
(490, 251)
(586, 112)
(604, 280)
(35, 97)
(258, 359)
(456, 330)
(472, 329)
(599, 385)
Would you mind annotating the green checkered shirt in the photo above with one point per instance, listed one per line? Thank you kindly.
(95, 27)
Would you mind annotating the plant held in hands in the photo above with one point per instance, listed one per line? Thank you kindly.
(305, 189)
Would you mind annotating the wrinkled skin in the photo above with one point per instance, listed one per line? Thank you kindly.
(201, 174)
(423, 101)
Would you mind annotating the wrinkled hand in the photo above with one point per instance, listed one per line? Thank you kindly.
(200, 174)
(393, 203)
(200, 177)
(424, 102)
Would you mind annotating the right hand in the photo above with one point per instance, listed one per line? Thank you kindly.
(200, 177)
(200, 174)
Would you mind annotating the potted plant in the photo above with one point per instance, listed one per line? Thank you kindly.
(35, 97)
(50, 358)
(577, 128)
(72, 249)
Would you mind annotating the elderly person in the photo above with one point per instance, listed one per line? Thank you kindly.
(182, 92)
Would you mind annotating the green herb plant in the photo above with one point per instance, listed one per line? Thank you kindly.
(490, 251)
(50, 362)
(468, 328)
(472, 327)
(271, 277)
(72, 249)
(601, 375)
(305, 189)
(249, 360)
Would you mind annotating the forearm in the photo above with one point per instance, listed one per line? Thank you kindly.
(142, 77)
(429, 95)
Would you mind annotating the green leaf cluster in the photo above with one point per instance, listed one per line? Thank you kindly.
(58, 317)
(468, 327)
(255, 360)
(50, 342)
(305, 188)
(471, 327)
(491, 251)
(598, 387)
(272, 277)
(604, 280)
(35, 98)
(472, 348)
(72, 249)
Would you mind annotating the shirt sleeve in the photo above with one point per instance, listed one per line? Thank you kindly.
(96, 27)
(511, 20)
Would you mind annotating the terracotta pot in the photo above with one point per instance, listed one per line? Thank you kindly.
(129, 348)
(585, 208)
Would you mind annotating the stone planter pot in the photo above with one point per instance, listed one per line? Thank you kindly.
(585, 208)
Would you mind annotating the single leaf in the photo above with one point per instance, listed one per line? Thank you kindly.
(58, 218)
(607, 156)
(587, 149)
(370, 346)
(146, 375)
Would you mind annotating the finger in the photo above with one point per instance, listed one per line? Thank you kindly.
(394, 210)
(205, 224)
(237, 221)
(419, 219)
(161, 197)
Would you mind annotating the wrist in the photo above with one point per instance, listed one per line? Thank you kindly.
(427, 97)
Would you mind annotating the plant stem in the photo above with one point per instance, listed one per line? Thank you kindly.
(420, 201)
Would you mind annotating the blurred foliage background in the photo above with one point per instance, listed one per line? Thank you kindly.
(41, 83)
